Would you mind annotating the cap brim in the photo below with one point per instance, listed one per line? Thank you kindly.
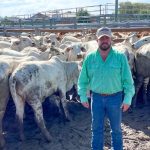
(104, 35)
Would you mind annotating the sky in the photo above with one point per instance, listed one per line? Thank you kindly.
(21, 7)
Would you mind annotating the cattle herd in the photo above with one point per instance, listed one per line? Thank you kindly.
(33, 68)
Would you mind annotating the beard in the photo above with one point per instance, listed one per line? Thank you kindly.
(105, 46)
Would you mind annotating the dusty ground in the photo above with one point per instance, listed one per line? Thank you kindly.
(74, 135)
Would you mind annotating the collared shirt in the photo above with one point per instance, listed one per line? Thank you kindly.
(109, 76)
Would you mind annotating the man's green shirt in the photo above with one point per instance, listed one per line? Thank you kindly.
(109, 76)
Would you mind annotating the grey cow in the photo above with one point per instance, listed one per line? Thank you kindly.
(33, 82)
(142, 65)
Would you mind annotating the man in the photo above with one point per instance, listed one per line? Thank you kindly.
(106, 73)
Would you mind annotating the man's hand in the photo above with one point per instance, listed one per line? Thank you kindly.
(125, 107)
(86, 104)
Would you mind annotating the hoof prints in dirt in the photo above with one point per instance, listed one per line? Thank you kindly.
(76, 134)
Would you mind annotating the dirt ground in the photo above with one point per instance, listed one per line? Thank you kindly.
(76, 134)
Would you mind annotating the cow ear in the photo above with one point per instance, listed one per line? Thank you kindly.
(29, 35)
(68, 49)
(83, 49)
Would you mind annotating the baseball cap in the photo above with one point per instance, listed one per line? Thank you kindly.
(104, 31)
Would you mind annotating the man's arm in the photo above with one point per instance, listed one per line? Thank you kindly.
(83, 83)
(128, 84)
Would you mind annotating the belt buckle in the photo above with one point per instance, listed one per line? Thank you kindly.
(105, 94)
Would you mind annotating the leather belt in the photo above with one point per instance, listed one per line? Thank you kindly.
(101, 94)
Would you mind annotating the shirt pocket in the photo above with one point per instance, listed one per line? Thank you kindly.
(114, 69)
(93, 70)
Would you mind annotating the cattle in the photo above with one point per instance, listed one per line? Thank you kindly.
(88, 37)
(4, 44)
(33, 51)
(133, 37)
(6, 39)
(89, 46)
(69, 38)
(21, 43)
(34, 81)
(28, 51)
(7, 65)
(74, 51)
(140, 42)
(4, 96)
(53, 39)
(117, 35)
(142, 66)
(38, 40)
(9, 52)
(148, 90)
(126, 48)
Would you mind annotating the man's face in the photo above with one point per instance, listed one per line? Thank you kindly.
(104, 43)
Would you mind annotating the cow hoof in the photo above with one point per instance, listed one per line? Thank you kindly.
(48, 137)
(22, 137)
(2, 143)
(68, 118)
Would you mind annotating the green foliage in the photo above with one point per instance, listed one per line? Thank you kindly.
(82, 12)
(134, 8)
(83, 16)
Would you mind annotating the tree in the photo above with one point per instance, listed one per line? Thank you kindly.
(83, 16)
(82, 12)
(134, 8)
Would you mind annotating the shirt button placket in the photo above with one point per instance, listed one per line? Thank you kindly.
(102, 73)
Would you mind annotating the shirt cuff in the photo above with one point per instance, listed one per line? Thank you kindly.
(127, 99)
(83, 99)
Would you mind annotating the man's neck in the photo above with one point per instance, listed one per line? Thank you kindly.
(104, 54)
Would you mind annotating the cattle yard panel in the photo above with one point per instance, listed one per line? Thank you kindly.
(7, 32)
(98, 15)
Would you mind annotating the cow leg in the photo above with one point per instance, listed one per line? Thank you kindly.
(2, 140)
(64, 106)
(64, 103)
(138, 85)
(4, 97)
(67, 96)
(146, 80)
(3, 104)
(19, 115)
(58, 104)
(75, 94)
(38, 112)
(148, 91)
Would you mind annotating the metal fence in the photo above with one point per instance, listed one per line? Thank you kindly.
(99, 15)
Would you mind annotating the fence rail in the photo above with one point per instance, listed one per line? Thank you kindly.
(99, 15)
(39, 31)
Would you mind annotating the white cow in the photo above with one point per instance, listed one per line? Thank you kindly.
(140, 42)
(7, 65)
(126, 48)
(88, 37)
(33, 82)
(142, 64)
(4, 44)
(21, 43)
(53, 39)
(69, 38)
(89, 47)
(74, 51)
(133, 37)
(28, 51)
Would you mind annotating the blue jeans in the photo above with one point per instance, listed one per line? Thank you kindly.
(109, 106)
